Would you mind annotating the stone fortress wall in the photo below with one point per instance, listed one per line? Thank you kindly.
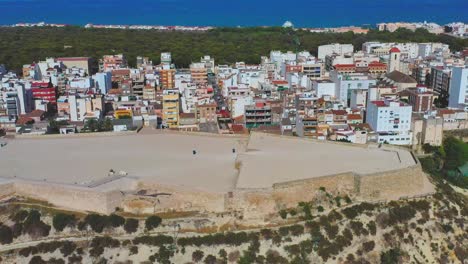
(252, 202)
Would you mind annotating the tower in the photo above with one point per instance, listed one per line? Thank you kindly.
(394, 62)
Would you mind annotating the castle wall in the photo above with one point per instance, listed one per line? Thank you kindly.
(171, 198)
(70, 197)
(254, 203)
(6, 189)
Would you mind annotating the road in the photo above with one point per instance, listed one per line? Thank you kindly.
(218, 96)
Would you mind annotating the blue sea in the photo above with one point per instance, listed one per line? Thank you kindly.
(302, 13)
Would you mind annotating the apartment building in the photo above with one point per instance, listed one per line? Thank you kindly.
(420, 98)
(112, 62)
(167, 78)
(336, 48)
(258, 114)
(206, 113)
(171, 108)
(199, 73)
(345, 83)
(458, 92)
(77, 62)
(440, 78)
(391, 120)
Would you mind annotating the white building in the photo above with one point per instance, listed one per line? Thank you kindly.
(391, 120)
(323, 87)
(458, 92)
(336, 48)
(345, 83)
(166, 58)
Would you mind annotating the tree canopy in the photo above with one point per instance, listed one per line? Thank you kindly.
(21, 46)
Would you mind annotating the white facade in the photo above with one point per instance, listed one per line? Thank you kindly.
(322, 88)
(336, 48)
(166, 58)
(391, 120)
(458, 92)
(344, 84)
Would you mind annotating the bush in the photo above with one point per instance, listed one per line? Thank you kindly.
(25, 252)
(283, 214)
(391, 256)
(368, 246)
(37, 260)
(296, 230)
(210, 259)
(334, 216)
(234, 239)
(67, 248)
(357, 227)
(55, 261)
(400, 214)
(372, 228)
(131, 225)
(197, 255)
(116, 220)
(61, 220)
(234, 256)
(98, 244)
(19, 216)
(266, 233)
(75, 259)
(153, 240)
(152, 222)
(275, 258)
(34, 227)
(222, 254)
(96, 222)
(164, 255)
(355, 210)
(6, 234)
(133, 250)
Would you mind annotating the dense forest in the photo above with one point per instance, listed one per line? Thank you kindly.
(20, 46)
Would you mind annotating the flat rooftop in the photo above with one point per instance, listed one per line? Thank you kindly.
(167, 158)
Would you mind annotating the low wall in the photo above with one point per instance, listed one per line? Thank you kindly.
(70, 197)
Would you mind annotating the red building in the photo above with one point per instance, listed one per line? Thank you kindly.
(44, 91)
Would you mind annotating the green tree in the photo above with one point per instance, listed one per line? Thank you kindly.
(197, 255)
(131, 225)
(116, 220)
(391, 256)
(152, 222)
(91, 125)
(61, 220)
(456, 152)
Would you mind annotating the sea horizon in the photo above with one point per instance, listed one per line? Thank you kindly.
(314, 13)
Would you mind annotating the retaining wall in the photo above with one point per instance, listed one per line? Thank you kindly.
(254, 203)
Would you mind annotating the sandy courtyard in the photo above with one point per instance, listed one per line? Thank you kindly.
(165, 158)
(273, 159)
